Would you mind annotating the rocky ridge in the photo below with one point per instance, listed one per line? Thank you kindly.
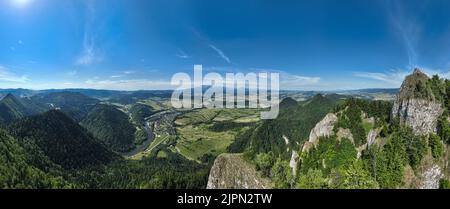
(420, 111)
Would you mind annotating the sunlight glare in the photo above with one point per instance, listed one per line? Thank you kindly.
(21, 3)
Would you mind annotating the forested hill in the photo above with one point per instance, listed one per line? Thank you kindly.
(111, 126)
(74, 104)
(50, 150)
(13, 108)
(292, 126)
(16, 172)
(55, 136)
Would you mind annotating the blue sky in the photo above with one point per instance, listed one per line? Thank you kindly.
(140, 44)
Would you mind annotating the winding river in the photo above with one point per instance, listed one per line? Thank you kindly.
(142, 147)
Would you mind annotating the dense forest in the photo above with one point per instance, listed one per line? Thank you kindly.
(52, 151)
(61, 140)
(349, 117)
(73, 104)
(13, 108)
(294, 122)
(111, 126)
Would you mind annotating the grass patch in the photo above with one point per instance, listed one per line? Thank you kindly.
(196, 141)
(157, 141)
(367, 126)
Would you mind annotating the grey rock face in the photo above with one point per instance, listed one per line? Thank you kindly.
(293, 162)
(431, 178)
(419, 114)
(416, 106)
(323, 128)
(230, 171)
(371, 137)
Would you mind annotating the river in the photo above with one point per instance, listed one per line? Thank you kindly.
(142, 147)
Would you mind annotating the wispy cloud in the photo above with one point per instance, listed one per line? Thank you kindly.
(394, 78)
(406, 27)
(123, 74)
(128, 72)
(6, 75)
(210, 44)
(181, 54)
(298, 82)
(90, 52)
(220, 53)
(442, 73)
(290, 81)
(128, 84)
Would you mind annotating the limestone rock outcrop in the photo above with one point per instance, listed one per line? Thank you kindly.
(322, 129)
(231, 171)
(415, 105)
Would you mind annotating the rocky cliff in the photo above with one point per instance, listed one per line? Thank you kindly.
(231, 171)
(416, 106)
(323, 128)
(427, 174)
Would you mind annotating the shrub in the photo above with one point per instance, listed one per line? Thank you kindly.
(437, 149)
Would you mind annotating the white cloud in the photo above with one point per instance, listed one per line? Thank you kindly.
(292, 81)
(90, 51)
(6, 75)
(89, 55)
(406, 27)
(296, 80)
(128, 72)
(131, 84)
(394, 78)
(220, 53)
(181, 54)
(123, 74)
(441, 73)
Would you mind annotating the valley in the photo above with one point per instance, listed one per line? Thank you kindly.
(112, 139)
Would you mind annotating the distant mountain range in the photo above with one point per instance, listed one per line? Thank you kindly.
(88, 92)
(107, 93)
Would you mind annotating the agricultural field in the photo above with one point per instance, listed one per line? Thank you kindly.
(200, 133)
(157, 104)
(155, 143)
(209, 132)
